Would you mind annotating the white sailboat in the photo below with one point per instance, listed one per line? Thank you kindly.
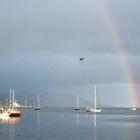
(133, 108)
(38, 103)
(77, 104)
(94, 109)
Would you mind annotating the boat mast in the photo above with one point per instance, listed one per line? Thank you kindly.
(10, 104)
(95, 90)
(77, 102)
(13, 100)
(38, 100)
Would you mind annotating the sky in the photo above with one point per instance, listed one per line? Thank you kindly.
(41, 42)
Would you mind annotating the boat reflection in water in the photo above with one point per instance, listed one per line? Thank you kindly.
(9, 120)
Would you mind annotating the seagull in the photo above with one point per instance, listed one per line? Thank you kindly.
(81, 58)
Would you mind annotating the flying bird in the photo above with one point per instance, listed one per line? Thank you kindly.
(81, 58)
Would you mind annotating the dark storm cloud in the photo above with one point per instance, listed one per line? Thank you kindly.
(40, 42)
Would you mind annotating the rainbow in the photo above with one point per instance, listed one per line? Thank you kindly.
(126, 67)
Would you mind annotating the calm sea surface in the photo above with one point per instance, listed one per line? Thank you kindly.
(68, 124)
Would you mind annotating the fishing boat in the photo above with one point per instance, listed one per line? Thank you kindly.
(38, 104)
(94, 109)
(77, 104)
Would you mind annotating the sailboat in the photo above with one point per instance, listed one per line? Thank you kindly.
(94, 109)
(77, 104)
(38, 104)
(133, 108)
(13, 112)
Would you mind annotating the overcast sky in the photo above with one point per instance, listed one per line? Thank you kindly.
(41, 42)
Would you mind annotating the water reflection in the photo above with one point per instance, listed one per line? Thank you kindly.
(94, 121)
(11, 132)
(38, 124)
(94, 126)
(9, 120)
(38, 118)
(133, 126)
(77, 120)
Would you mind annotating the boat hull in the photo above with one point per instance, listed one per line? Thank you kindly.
(36, 108)
(15, 115)
(76, 109)
(94, 110)
(133, 109)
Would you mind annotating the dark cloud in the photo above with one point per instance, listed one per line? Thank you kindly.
(66, 26)
(40, 42)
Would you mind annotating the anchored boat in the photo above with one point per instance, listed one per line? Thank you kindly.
(38, 104)
(77, 104)
(133, 108)
(94, 109)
